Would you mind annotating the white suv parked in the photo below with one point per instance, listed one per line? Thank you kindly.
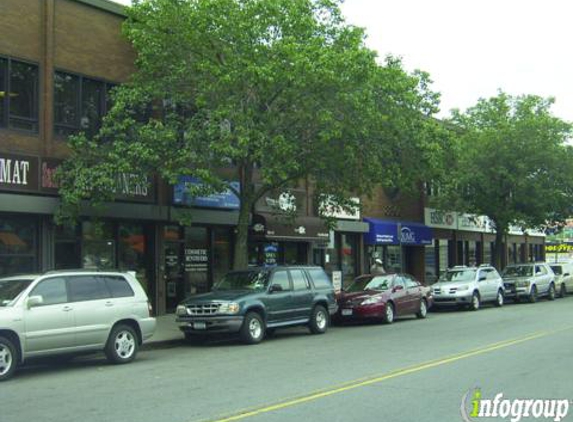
(468, 286)
(63, 312)
(529, 281)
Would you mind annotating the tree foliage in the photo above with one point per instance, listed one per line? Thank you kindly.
(278, 90)
(513, 163)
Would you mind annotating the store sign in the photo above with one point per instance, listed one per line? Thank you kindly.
(222, 200)
(132, 187)
(474, 223)
(129, 187)
(415, 234)
(289, 202)
(337, 281)
(328, 210)
(18, 173)
(441, 219)
(559, 248)
(196, 260)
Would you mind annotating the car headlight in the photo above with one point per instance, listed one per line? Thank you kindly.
(370, 301)
(229, 308)
(181, 310)
(463, 288)
(523, 283)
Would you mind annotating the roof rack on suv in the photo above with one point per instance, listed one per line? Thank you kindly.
(85, 270)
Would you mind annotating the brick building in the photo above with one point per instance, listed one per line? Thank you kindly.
(59, 59)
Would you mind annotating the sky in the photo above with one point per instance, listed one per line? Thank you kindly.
(473, 48)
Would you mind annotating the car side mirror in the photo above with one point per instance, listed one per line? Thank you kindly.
(397, 288)
(276, 288)
(566, 275)
(34, 301)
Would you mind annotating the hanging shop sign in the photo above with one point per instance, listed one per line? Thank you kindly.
(222, 200)
(18, 173)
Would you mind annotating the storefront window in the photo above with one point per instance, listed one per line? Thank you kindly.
(394, 258)
(196, 261)
(18, 251)
(98, 245)
(67, 250)
(221, 253)
(442, 257)
(348, 252)
(431, 262)
(472, 253)
(132, 248)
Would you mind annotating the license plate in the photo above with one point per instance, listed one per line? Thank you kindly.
(199, 325)
(347, 312)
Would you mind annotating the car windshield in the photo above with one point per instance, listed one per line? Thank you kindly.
(454, 276)
(244, 280)
(557, 269)
(381, 283)
(11, 289)
(518, 271)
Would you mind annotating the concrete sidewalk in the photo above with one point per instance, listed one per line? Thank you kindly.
(166, 331)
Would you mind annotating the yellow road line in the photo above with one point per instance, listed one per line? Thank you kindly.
(363, 382)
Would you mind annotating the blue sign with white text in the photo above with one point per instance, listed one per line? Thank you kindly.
(222, 200)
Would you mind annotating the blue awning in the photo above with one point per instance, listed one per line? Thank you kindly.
(415, 234)
(382, 232)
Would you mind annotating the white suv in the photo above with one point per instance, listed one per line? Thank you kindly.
(63, 312)
(529, 281)
(468, 286)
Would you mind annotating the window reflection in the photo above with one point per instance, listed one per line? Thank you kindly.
(18, 95)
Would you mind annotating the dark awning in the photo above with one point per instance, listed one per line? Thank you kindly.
(415, 234)
(275, 227)
(382, 232)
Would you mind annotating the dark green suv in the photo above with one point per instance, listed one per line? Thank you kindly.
(254, 302)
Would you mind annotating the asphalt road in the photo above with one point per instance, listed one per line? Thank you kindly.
(413, 370)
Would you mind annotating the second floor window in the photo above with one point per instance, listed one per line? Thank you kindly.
(18, 95)
(79, 103)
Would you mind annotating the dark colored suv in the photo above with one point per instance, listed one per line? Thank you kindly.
(258, 300)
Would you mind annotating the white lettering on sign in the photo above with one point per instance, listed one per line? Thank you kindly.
(407, 235)
(128, 185)
(14, 172)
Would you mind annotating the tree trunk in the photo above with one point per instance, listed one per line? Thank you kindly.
(241, 249)
(499, 250)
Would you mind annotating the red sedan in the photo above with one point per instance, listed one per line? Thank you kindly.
(383, 298)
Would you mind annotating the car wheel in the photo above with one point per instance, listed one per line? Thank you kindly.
(122, 345)
(551, 292)
(499, 299)
(476, 302)
(562, 291)
(389, 314)
(423, 312)
(318, 320)
(8, 359)
(253, 329)
(533, 294)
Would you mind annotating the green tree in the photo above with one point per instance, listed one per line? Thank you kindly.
(275, 91)
(513, 164)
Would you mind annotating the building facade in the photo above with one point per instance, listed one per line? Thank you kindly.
(59, 61)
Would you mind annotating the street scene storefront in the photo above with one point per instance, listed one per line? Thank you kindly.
(400, 245)
(467, 239)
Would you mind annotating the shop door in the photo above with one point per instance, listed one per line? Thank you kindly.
(173, 274)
